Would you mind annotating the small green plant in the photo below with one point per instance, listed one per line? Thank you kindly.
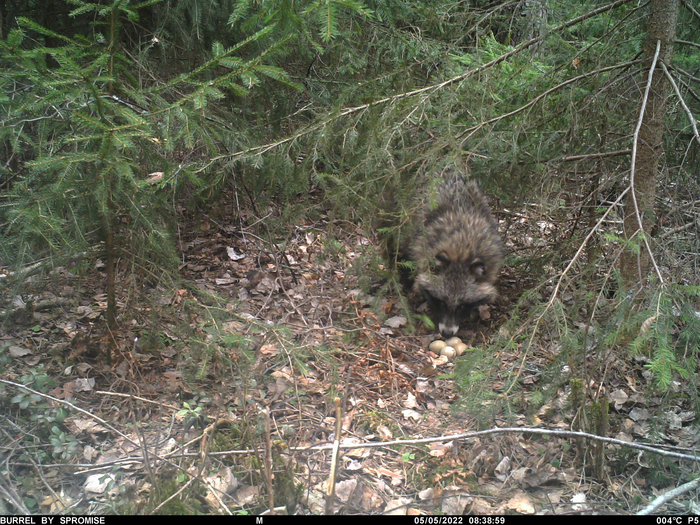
(408, 457)
(64, 445)
(49, 418)
(333, 251)
(40, 410)
(38, 379)
(193, 416)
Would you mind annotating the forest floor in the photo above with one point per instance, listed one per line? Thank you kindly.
(220, 397)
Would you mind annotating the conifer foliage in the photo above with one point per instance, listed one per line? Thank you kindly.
(98, 144)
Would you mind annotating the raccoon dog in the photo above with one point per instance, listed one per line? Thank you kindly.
(456, 252)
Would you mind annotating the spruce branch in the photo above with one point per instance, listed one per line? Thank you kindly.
(541, 96)
(262, 149)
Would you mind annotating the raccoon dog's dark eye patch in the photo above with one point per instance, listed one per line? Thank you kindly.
(478, 269)
(435, 304)
(442, 260)
(464, 309)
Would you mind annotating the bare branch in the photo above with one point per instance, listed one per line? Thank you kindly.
(601, 155)
(507, 430)
(682, 101)
(668, 496)
(635, 142)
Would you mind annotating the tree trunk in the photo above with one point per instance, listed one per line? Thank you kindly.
(638, 221)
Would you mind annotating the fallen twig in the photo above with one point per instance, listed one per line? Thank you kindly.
(668, 496)
(330, 493)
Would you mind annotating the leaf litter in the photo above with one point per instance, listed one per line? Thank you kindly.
(307, 327)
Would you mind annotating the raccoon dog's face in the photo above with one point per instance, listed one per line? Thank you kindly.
(453, 290)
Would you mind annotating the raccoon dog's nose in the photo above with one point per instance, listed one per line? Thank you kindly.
(448, 331)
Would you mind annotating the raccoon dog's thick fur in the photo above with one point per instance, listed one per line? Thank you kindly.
(456, 251)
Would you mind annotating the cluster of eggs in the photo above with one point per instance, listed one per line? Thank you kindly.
(453, 347)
